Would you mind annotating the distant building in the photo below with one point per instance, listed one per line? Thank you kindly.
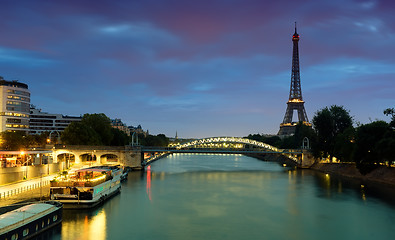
(46, 122)
(117, 123)
(138, 130)
(14, 106)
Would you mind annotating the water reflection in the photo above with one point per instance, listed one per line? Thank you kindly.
(233, 197)
(84, 224)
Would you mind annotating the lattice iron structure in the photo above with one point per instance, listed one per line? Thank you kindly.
(295, 102)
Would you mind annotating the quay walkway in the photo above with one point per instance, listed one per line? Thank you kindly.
(24, 190)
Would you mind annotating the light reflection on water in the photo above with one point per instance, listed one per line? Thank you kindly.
(191, 196)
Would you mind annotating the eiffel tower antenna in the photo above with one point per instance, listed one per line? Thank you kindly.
(295, 101)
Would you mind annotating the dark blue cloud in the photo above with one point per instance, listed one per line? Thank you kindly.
(202, 68)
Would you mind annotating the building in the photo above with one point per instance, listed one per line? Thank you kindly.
(14, 106)
(117, 123)
(46, 122)
(138, 130)
(295, 101)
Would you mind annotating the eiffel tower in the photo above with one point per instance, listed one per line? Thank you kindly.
(295, 102)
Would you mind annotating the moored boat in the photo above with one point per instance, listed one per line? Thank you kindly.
(124, 174)
(86, 188)
(30, 220)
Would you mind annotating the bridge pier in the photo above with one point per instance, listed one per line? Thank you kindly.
(307, 159)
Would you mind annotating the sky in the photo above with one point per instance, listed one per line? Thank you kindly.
(200, 68)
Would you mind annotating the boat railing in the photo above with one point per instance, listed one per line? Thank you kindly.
(77, 183)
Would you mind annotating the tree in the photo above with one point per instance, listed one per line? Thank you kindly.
(101, 124)
(391, 111)
(13, 140)
(369, 140)
(78, 133)
(19, 140)
(303, 131)
(120, 138)
(345, 145)
(159, 140)
(93, 129)
(271, 140)
(328, 123)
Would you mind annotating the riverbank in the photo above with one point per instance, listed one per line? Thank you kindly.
(381, 175)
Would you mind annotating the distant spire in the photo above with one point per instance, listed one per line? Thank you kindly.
(176, 135)
(295, 28)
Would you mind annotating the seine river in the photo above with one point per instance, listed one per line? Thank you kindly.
(203, 196)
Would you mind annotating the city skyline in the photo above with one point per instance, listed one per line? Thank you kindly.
(201, 69)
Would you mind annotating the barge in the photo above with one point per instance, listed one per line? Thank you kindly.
(30, 220)
(86, 188)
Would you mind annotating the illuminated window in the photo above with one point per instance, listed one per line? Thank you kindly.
(25, 232)
(55, 218)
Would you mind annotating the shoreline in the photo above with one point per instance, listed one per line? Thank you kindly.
(382, 175)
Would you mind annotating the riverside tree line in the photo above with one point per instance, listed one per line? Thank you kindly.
(335, 134)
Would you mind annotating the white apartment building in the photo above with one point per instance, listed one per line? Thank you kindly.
(14, 106)
(46, 122)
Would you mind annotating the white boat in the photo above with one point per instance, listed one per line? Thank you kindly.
(30, 220)
(86, 188)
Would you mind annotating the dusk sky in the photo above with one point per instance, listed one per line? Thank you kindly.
(201, 68)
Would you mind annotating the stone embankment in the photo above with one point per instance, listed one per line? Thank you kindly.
(381, 175)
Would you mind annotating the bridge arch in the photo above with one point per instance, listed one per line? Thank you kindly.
(207, 141)
(235, 140)
(70, 157)
(109, 158)
(88, 158)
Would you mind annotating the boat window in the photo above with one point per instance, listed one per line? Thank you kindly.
(55, 218)
(48, 221)
(42, 224)
(14, 236)
(25, 232)
(36, 227)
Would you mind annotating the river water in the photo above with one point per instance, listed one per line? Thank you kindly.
(203, 196)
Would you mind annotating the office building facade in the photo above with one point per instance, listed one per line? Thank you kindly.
(14, 106)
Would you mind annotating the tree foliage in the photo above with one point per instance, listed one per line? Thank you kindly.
(78, 133)
(375, 143)
(271, 140)
(120, 138)
(388, 112)
(288, 142)
(93, 129)
(159, 140)
(328, 124)
(19, 140)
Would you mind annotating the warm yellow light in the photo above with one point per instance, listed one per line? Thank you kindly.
(22, 153)
(295, 100)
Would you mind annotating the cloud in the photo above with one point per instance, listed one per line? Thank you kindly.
(205, 67)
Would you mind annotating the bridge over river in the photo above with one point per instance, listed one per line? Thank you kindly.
(230, 145)
(140, 156)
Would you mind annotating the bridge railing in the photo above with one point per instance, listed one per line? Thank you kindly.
(174, 149)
